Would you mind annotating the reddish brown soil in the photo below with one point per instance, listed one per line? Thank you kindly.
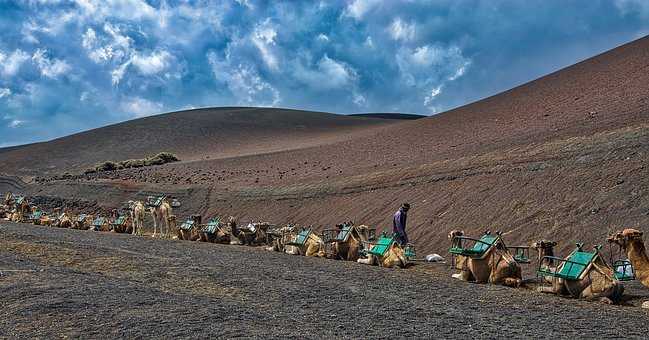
(562, 157)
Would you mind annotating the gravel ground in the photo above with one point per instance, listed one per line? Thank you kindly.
(68, 283)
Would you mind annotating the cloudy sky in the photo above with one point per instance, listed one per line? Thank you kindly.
(71, 65)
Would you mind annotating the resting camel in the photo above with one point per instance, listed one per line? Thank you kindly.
(121, 223)
(189, 231)
(20, 207)
(348, 241)
(597, 283)
(160, 216)
(254, 234)
(393, 257)
(313, 246)
(63, 221)
(630, 240)
(278, 237)
(82, 222)
(496, 265)
(214, 232)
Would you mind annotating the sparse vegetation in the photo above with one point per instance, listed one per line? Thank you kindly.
(159, 159)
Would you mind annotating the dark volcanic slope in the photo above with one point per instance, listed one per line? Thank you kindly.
(193, 134)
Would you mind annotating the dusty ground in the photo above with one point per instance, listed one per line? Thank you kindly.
(67, 283)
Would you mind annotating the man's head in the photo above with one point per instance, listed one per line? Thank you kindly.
(405, 207)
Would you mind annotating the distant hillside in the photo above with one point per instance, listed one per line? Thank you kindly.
(401, 116)
(192, 134)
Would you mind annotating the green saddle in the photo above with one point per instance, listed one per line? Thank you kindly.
(382, 245)
(479, 248)
(623, 270)
(212, 226)
(19, 199)
(573, 267)
(344, 233)
(301, 238)
(188, 224)
(99, 221)
(36, 215)
(120, 220)
(82, 218)
(409, 251)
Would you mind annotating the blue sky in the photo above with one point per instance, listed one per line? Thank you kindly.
(68, 66)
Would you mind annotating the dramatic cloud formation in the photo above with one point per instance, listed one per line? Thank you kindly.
(70, 65)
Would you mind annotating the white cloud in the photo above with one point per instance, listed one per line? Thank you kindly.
(401, 30)
(139, 107)
(153, 63)
(433, 93)
(245, 3)
(368, 42)
(5, 92)
(322, 37)
(15, 123)
(122, 9)
(51, 68)
(243, 81)
(327, 74)
(359, 99)
(358, 8)
(117, 74)
(628, 7)
(9, 65)
(263, 37)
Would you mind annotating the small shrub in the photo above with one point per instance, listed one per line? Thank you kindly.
(159, 159)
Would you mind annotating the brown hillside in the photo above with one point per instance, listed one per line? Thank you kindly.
(562, 157)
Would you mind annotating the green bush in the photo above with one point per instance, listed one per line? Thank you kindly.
(159, 159)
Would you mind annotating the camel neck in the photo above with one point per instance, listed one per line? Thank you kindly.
(638, 257)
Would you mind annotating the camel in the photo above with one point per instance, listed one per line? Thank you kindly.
(348, 240)
(160, 211)
(386, 252)
(214, 232)
(254, 234)
(137, 211)
(189, 230)
(46, 220)
(630, 240)
(305, 243)
(100, 224)
(20, 207)
(63, 221)
(495, 265)
(279, 237)
(596, 282)
(121, 223)
(82, 222)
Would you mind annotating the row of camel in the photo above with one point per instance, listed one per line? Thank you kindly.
(598, 280)
(496, 265)
(132, 217)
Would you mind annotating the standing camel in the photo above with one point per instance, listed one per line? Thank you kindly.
(161, 213)
(137, 216)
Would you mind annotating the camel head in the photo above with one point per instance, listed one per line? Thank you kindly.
(455, 233)
(544, 248)
(624, 237)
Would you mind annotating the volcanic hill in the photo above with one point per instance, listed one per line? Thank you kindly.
(563, 157)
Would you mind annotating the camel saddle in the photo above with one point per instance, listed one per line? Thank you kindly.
(381, 246)
(154, 201)
(572, 268)
(120, 220)
(300, 238)
(188, 224)
(623, 270)
(479, 248)
(81, 218)
(99, 221)
(212, 226)
(36, 215)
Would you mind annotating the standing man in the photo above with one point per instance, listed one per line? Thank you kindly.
(399, 224)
